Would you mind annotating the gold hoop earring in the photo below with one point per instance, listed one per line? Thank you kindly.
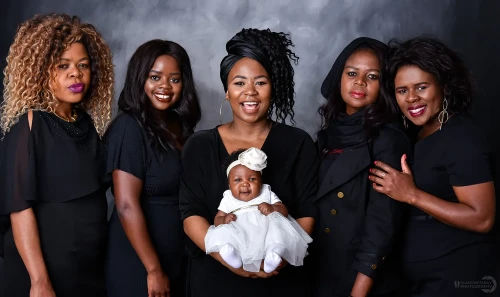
(443, 116)
(220, 109)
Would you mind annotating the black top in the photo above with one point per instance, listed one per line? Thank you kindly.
(291, 171)
(55, 161)
(129, 150)
(457, 155)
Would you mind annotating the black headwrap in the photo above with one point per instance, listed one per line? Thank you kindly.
(239, 47)
(333, 77)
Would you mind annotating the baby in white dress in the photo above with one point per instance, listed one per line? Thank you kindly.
(252, 223)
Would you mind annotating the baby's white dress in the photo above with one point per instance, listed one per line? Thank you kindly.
(253, 234)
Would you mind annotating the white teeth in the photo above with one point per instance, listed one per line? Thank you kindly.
(417, 110)
(162, 96)
(250, 103)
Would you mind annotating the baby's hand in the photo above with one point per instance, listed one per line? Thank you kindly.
(265, 208)
(229, 218)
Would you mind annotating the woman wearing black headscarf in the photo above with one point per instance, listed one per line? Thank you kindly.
(357, 228)
(258, 79)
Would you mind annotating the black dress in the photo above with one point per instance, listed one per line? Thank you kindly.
(57, 168)
(129, 151)
(291, 172)
(437, 256)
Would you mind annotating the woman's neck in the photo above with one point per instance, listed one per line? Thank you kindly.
(249, 131)
(64, 110)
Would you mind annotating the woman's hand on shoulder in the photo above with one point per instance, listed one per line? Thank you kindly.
(393, 183)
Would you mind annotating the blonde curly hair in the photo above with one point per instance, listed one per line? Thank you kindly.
(37, 47)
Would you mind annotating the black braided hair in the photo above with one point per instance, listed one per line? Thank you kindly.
(275, 46)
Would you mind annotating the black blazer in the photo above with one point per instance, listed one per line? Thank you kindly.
(357, 228)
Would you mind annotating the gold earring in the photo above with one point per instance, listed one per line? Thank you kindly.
(443, 116)
(220, 109)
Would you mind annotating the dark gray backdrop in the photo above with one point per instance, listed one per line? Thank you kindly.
(319, 29)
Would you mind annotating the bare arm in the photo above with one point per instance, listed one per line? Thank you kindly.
(223, 218)
(27, 240)
(307, 223)
(281, 208)
(127, 191)
(475, 210)
(362, 285)
(196, 228)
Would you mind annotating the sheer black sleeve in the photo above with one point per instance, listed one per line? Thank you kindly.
(18, 179)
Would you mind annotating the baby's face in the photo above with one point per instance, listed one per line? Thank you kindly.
(244, 183)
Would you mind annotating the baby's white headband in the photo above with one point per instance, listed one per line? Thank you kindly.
(252, 158)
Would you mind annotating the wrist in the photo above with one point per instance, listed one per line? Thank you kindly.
(153, 269)
(412, 196)
(40, 280)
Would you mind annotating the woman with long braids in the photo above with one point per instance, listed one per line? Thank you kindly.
(258, 81)
(159, 110)
(450, 186)
(57, 104)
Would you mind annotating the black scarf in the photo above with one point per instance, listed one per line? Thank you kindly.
(239, 47)
(346, 131)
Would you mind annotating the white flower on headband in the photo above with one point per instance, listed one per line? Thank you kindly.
(252, 158)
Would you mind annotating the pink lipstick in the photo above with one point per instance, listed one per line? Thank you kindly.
(358, 94)
(76, 88)
(417, 110)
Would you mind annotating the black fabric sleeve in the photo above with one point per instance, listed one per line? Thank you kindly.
(384, 215)
(18, 181)
(306, 179)
(192, 195)
(468, 156)
(126, 148)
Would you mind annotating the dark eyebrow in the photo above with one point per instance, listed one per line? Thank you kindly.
(420, 83)
(244, 77)
(239, 76)
(159, 72)
(82, 59)
(358, 68)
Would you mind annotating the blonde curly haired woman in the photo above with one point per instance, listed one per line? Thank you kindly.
(57, 104)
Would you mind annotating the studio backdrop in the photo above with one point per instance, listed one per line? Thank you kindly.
(319, 29)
